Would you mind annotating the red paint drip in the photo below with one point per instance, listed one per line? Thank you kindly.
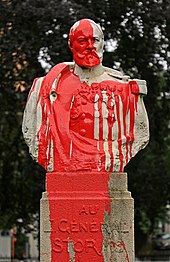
(119, 132)
(111, 120)
(133, 99)
(119, 251)
(124, 247)
(32, 89)
(128, 95)
(55, 119)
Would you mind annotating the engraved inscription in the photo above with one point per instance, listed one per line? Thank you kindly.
(80, 246)
(89, 209)
(65, 225)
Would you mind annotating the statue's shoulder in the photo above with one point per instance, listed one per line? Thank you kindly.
(142, 87)
(54, 74)
(56, 70)
(116, 74)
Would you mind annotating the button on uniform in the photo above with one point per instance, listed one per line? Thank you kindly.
(82, 132)
(83, 116)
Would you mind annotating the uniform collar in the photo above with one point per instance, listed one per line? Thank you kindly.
(85, 74)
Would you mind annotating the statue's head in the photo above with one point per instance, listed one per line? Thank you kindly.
(86, 42)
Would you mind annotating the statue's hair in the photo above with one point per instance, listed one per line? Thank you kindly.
(76, 24)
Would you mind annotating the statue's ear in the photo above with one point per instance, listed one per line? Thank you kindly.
(70, 44)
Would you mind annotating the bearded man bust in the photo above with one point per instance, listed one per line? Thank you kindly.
(82, 115)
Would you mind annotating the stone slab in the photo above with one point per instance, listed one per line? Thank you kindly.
(87, 217)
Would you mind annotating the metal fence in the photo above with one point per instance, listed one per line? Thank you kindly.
(9, 259)
(156, 258)
(147, 259)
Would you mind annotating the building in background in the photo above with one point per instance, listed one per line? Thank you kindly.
(5, 243)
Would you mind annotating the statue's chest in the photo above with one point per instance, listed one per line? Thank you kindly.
(93, 104)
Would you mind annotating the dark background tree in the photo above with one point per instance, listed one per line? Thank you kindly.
(138, 33)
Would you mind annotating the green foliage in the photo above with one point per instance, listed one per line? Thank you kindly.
(20, 244)
(140, 30)
(144, 223)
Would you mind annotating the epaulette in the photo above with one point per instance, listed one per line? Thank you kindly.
(116, 74)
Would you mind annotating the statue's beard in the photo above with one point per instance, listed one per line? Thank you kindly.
(88, 58)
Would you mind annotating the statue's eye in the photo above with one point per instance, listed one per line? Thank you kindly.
(97, 39)
(81, 41)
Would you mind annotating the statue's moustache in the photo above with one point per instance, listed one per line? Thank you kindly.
(87, 53)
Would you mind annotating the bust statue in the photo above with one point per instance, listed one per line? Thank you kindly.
(82, 115)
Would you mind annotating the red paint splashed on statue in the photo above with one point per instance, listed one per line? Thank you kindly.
(82, 44)
(57, 136)
(119, 250)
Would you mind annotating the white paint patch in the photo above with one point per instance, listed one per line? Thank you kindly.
(128, 133)
(32, 119)
(96, 118)
(105, 115)
(51, 162)
(105, 130)
(71, 149)
(107, 156)
(72, 102)
(71, 251)
(115, 150)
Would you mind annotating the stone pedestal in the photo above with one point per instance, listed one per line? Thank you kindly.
(87, 216)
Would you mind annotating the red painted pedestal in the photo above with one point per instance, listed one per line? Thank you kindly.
(86, 216)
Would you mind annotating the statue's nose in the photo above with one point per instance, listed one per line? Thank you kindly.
(90, 44)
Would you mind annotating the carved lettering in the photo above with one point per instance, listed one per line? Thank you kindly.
(93, 209)
(46, 226)
(90, 243)
(73, 227)
(121, 226)
(94, 227)
(63, 226)
(83, 210)
(116, 228)
(89, 209)
(78, 246)
(60, 245)
(84, 227)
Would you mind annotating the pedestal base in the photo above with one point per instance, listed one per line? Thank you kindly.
(87, 216)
